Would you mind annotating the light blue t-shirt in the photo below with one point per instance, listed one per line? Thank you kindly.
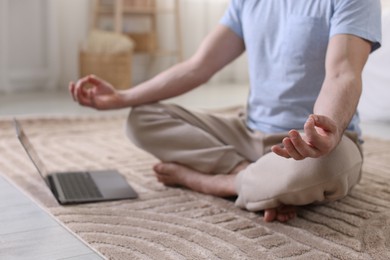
(286, 43)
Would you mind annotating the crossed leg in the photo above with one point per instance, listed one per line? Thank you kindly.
(199, 140)
(172, 174)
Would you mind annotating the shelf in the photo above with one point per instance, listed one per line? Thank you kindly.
(146, 42)
(135, 11)
(128, 10)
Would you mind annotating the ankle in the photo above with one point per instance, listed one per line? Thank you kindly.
(223, 186)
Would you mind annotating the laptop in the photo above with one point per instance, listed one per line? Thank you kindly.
(82, 186)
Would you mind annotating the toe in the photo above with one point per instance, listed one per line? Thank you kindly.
(282, 217)
(269, 215)
(286, 213)
(164, 168)
(158, 167)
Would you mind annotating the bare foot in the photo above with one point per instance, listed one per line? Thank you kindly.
(172, 174)
(282, 213)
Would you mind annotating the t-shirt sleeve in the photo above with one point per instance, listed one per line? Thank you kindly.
(361, 18)
(232, 17)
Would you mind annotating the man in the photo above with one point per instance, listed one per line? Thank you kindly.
(299, 140)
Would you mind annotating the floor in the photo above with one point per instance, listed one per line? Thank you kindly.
(27, 231)
(20, 236)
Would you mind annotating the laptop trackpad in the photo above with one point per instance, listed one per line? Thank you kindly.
(112, 184)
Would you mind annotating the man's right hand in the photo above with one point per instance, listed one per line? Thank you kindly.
(94, 92)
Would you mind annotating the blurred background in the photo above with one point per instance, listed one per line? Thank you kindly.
(40, 39)
(44, 44)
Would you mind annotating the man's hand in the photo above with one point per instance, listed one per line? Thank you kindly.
(321, 137)
(93, 92)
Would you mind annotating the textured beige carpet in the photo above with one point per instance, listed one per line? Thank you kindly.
(173, 223)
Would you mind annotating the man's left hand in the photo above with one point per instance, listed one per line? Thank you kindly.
(321, 137)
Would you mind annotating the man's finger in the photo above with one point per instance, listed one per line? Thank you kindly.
(290, 148)
(279, 150)
(317, 136)
(312, 136)
(325, 123)
(71, 88)
(83, 97)
(81, 82)
(303, 148)
(94, 80)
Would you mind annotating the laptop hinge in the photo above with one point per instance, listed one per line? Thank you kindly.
(56, 188)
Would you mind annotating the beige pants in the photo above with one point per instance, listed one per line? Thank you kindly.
(215, 144)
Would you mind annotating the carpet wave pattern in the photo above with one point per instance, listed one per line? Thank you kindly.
(174, 223)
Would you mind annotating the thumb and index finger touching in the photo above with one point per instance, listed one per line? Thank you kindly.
(318, 128)
(319, 132)
(96, 81)
(79, 91)
(79, 88)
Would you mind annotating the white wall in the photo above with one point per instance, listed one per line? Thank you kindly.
(28, 45)
(374, 103)
(199, 17)
(386, 4)
(73, 25)
(3, 45)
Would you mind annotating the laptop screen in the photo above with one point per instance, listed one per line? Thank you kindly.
(31, 152)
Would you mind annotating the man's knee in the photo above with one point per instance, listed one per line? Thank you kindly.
(140, 121)
(320, 180)
(274, 180)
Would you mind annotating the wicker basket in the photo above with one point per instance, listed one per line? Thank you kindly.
(113, 68)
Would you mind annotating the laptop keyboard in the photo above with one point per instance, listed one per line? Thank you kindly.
(79, 185)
